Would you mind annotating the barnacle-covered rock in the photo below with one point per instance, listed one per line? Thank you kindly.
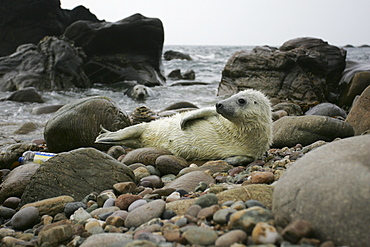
(142, 114)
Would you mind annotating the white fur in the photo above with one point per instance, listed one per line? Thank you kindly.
(204, 134)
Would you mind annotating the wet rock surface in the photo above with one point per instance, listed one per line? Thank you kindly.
(76, 173)
(77, 124)
(303, 69)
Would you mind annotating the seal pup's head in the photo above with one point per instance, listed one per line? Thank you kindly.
(246, 105)
(140, 92)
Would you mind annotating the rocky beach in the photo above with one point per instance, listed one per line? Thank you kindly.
(61, 86)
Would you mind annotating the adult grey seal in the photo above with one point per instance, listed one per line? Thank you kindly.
(238, 126)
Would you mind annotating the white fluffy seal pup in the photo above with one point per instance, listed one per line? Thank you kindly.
(239, 126)
(140, 92)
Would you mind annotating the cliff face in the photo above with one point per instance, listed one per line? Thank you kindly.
(29, 21)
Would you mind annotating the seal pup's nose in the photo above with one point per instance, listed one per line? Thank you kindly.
(219, 106)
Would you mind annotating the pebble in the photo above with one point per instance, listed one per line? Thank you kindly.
(71, 207)
(247, 219)
(239, 205)
(208, 212)
(110, 202)
(80, 215)
(200, 236)
(174, 196)
(136, 204)
(6, 232)
(6, 213)
(207, 200)
(152, 210)
(154, 180)
(124, 201)
(231, 237)
(104, 196)
(107, 239)
(297, 230)
(222, 216)
(263, 233)
(124, 187)
(12, 202)
(25, 218)
(55, 233)
(141, 172)
(100, 211)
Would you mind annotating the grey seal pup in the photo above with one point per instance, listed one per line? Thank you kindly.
(239, 126)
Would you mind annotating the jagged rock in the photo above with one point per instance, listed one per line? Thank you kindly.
(302, 69)
(169, 55)
(76, 173)
(126, 50)
(52, 64)
(356, 77)
(24, 22)
(78, 124)
(359, 116)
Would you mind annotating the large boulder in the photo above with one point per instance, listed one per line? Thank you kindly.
(29, 21)
(359, 116)
(302, 69)
(52, 64)
(291, 130)
(76, 174)
(77, 124)
(329, 187)
(126, 50)
(16, 181)
(356, 77)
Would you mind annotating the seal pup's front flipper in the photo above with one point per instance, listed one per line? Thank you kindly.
(126, 136)
(197, 114)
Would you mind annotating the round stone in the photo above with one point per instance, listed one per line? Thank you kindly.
(152, 210)
(207, 200)
(222, 216)
(25, 218)
(136, 204)
(246, 219)
(71, 207)
(200, 236)
(231, 237)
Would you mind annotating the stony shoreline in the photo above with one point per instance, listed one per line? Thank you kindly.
(212, 214)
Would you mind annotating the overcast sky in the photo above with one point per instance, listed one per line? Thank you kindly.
(244, 22)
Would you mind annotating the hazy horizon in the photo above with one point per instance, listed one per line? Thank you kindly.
(244, 22)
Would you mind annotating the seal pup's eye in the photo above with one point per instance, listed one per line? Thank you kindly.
(242, 101)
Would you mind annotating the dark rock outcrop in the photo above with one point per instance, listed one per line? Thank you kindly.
(126, 50)
(76, 174)
(170, 55)
(356, 77)
(52, 64)
(28, 94)
(78, 124)
(302, 69)
(29, 21)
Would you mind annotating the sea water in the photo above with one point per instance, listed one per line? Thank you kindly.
(207, 63)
